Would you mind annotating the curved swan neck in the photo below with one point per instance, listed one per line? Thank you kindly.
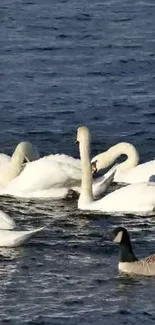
(86, 184)
(107, 158)
(16, 163)
(24, 150)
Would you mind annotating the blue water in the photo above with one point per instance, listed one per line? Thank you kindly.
(64, 64)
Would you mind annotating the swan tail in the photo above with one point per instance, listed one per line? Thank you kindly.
(24, 236)
(6, 222)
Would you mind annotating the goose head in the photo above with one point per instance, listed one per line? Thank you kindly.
(119, 235)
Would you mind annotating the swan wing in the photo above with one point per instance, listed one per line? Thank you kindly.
(62, 158)
(4, 159)
(4, 169)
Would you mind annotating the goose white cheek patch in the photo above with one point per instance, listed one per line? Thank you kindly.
(118, 237)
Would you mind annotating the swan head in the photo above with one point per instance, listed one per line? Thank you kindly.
(83, 134)
(107, 158)
(94, 167)
(100, 161)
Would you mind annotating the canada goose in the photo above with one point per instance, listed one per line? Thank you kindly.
(128, 261)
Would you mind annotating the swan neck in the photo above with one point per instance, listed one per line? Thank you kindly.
(108, 158)
(16, 165)
(86, 183)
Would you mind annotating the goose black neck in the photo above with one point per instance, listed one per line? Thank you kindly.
(126, 252)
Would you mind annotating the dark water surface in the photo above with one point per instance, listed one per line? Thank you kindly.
(65, 64)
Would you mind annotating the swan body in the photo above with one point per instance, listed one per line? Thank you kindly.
(10, 167)
(128, 261)
(127, 171)
(13, 238)
(52, 176)
(134, 198)
(4, 159)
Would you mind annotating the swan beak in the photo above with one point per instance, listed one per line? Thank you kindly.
(76, 141)
(94, 167)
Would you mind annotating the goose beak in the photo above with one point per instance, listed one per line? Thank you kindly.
(76, 141)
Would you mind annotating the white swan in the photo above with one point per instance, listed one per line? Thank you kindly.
(135, 198)
(30, 153)
(52, 176)
(10, 237)
(127, 171)
(15, 238)
(10, 167)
